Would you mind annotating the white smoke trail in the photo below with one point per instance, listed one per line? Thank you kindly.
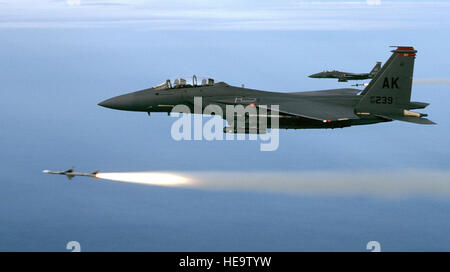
(380, 183)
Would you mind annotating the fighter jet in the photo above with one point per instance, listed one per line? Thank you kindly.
(70, 173)
(344, 76)
(386, 98)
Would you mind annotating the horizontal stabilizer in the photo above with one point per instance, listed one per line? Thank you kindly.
(417, 105)
(410, 119)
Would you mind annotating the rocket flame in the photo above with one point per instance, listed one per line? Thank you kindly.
(399, 183)
(148, 178)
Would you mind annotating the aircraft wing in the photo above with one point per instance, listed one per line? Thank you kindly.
(299, 107)
(315, 110)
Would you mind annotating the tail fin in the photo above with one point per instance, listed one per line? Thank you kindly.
(391, 86)
(389, 93)
(375, 69)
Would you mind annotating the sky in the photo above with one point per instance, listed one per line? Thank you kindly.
(321, 190)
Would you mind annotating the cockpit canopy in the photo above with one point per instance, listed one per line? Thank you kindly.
(183, 83)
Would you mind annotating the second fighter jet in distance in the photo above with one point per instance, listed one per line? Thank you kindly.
(345, 76)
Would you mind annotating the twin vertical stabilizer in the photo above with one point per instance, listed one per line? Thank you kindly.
(388, 95)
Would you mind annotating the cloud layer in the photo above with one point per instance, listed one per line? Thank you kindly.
(432, 81)
(225, 15)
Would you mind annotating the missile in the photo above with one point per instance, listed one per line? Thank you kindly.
(360, 84)
(70, 173)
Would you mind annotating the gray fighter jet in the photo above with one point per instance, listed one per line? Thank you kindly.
(344, 76)
(386, 98)
(70, 173)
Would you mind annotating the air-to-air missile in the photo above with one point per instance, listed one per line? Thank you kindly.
(386, 98)
(70, 173)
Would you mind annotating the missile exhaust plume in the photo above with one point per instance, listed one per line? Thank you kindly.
(147, 178)
(398, 183)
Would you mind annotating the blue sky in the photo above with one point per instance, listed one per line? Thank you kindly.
(59, 59)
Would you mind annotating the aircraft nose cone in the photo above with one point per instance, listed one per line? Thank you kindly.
(111, 103)
(104, 103)
(121, 102)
